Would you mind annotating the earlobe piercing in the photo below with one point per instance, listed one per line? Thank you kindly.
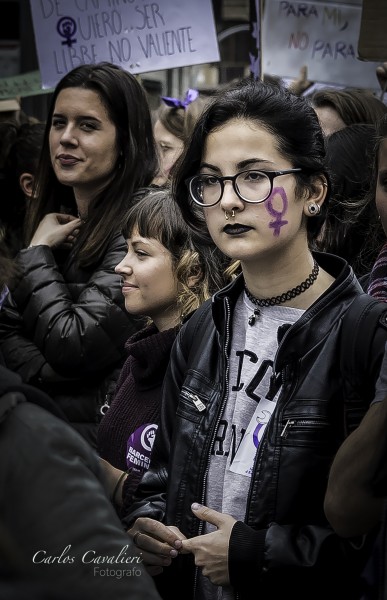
(314, 209)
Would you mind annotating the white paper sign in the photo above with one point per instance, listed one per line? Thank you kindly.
(137, 35)
(321, 35)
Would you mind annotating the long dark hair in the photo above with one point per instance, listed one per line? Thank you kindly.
(352, 229)
(381, 135)
(288, 117)
(126, 103)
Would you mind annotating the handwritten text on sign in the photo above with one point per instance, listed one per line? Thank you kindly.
(140, 36)
(324, 36)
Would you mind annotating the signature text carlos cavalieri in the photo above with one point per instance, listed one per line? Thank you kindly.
(89, 557)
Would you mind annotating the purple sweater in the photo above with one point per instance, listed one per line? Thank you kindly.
(126, 432)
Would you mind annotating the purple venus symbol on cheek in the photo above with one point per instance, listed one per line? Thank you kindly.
(279, 222)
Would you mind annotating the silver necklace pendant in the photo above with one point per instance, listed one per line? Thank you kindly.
(254, 316)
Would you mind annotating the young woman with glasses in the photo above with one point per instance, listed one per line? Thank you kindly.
(253, 400)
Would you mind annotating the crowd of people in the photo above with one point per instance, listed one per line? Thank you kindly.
(177, 293)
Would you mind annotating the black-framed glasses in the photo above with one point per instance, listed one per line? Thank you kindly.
(250, 186)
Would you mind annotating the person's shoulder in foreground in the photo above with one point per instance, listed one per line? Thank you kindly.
(62, 537)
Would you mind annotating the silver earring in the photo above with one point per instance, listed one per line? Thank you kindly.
(314, 209)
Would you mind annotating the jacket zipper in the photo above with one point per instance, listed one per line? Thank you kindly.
(225, 396)
(299, 422)
(195, 399)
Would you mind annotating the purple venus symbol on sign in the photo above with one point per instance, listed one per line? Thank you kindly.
(66, 27)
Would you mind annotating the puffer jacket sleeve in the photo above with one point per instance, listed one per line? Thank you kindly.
(19, 353)
(76, 338)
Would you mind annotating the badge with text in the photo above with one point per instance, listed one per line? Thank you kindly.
(139, 447)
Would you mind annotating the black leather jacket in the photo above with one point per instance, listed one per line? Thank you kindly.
(285, 546)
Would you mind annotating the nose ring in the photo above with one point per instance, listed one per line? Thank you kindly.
(228, 215)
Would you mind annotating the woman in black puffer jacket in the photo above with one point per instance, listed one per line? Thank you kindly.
(64, 325)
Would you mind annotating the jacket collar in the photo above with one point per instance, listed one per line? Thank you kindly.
(334, 265)
(327, 309)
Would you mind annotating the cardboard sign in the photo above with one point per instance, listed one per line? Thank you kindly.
(373, 38)
(138, 36)
(321, 35)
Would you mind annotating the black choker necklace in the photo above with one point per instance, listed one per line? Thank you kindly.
(296, 291)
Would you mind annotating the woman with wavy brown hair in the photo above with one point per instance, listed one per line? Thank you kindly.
(167, 273)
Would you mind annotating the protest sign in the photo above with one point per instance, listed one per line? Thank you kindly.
(321, 35)
(139, 36)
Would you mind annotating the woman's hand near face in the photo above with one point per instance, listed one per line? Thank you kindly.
(56, 229)
(158, 543)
